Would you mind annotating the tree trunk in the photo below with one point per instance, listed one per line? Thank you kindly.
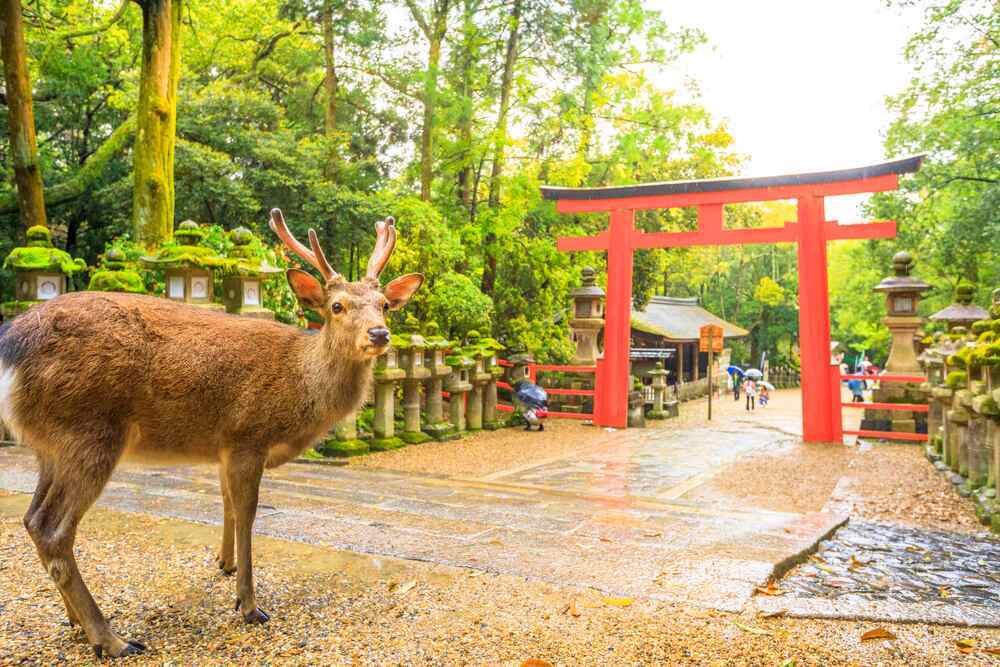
(27, 172)
(330, 85)
(156, 119)
(499, 143)
(430, 106)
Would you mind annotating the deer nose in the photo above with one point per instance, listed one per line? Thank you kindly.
(379, 336)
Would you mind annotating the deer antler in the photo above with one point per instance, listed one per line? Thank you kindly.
(315, 257)
(385, 241)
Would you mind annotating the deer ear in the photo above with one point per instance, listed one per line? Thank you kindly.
(306, 288)
(399, 291)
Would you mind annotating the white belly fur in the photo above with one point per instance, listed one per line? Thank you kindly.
(8, 390)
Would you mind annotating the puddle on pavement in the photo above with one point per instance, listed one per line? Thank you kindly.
(870, 561)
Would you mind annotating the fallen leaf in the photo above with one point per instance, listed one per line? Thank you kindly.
(877, 633)
(855, 563)
(751, 629)
(966, 645)
(992, 650)
(404, 588)
(817, 558)
(789, 663)
(496, 542)
(618, 602)
(775, 614)
(571, 609)
(770, 589)
(535, 662)
(606, 539)
(943, 591)
(652, 533)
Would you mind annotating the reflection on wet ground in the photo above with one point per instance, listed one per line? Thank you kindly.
(866, 561)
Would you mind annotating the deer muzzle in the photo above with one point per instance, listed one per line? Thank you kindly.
(378, 336)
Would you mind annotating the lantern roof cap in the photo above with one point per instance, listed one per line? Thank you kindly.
(588, 286)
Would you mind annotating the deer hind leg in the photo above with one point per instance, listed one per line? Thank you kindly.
(243, 473)
(52, 525)
(227, 551)
(45, 474)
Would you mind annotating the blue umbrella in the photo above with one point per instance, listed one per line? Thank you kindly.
(734, 370)
(754, 374)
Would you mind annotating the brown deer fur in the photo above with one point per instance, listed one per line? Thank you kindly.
(89, 379)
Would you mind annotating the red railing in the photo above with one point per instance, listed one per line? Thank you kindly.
(907, 407)
(534, 369)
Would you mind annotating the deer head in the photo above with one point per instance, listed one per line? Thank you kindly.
(353, 312)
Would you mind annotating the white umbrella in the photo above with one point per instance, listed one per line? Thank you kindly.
(767, 385)
(754, 374)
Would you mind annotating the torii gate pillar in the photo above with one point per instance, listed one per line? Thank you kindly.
(821, 419)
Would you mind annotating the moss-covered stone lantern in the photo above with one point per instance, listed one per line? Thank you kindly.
(114, 275)
(491, 418)
(412, 346)
(961, 313)
(189, 267)
(41, 271)
(587, 321)
(661, 408)
(243, 285)
(902, 295)
(436, 345)
(387, 374)
(458, 385)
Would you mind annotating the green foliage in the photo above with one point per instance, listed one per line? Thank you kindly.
(956, 380)
(457, 300)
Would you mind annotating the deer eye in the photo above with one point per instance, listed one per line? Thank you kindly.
(385, 307)
(338, 308)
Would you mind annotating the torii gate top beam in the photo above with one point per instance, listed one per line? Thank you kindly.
(676, 194)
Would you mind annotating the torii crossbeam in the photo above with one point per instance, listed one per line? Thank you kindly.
(812, 231)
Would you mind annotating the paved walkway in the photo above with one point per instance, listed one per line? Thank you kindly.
(614, 519)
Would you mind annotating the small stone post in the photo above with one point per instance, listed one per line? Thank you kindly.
(345, 441)
(636, 405)
(437, 426)
(491, 418)
(387, 373)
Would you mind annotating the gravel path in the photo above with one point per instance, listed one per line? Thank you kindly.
(155, 579)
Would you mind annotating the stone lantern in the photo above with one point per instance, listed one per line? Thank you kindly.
(114, 275)
(188, 267)
(437, 426)
(479, 377)
(520, 367)
(458, 385)
(902, 294)
(661, 408)
(412, 346)
(243, 286)
(587, 320)
(387, 373)
(491, 418)
(963, 312)
(41, 271)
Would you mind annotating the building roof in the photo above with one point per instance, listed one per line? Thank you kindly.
(679, 319)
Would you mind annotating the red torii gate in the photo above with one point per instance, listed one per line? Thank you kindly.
(820, 393)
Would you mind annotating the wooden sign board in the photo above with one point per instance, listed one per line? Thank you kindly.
(713, 333)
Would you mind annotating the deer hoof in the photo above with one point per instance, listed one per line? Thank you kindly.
(256, 617)
(226, 568)
(130, 648)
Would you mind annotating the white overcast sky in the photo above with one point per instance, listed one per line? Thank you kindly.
(801, 83)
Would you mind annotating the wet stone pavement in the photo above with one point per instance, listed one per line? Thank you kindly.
(871, 570)
(580, 521)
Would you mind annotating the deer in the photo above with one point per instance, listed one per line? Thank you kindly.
(89, 379)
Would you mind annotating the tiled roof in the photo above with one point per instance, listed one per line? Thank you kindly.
(679, 319)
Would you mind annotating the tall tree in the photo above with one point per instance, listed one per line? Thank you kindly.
(156, 121)
(330, 85)
(499, 144)
(434, 25)
(24, 148)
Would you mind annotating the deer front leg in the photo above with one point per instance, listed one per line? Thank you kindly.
(227, 554)
(243, 471)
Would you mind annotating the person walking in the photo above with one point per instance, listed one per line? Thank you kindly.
(737, 380)
(750, 389)
(857, 388)
(763, 396)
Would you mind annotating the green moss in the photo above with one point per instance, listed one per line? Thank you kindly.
(32, 258)
(956, 379)
(104, 280)
(343, 448)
